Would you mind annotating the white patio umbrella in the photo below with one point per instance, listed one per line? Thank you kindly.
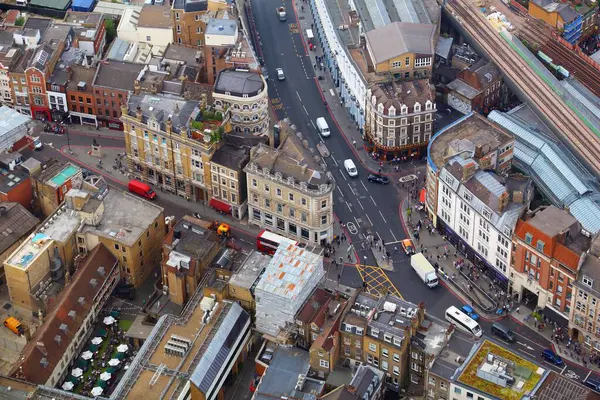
(114, 362)
(97, 340)
(122, 348)
(68, 386)
(105, 376)
(87, 355)
(77, 372)
(97, 391)
(109, 320)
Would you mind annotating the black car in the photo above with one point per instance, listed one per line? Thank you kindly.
(383, 180)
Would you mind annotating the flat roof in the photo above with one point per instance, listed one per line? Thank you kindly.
(126, 217)
(11, 179)
(29, 250)
(526, 374)
(456, 350)
(250, 270)
(11, 120)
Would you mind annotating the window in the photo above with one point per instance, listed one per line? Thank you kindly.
(35, 79)
(528, 238)
(324, 363)
(396, 370)
(397, 64)
(254, 183)
(384, 352)
(372, 347)
(278, 191)
(267, 188)
(304, 201)
(587, 281)
(324, 220)
(291, 197)
(384, 365)
(396, 357)
(540, 246)
(407, 61)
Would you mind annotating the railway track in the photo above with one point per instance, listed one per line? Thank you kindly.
(573, 129)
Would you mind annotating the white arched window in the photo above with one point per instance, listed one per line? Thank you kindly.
(392, 111)
(428, 105)
(380, 108)
(417, 107)
(404, 109)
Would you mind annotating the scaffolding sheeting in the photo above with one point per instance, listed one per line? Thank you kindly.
(13, 127)
(288, 280)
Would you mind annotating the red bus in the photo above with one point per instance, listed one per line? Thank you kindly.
(268, 242)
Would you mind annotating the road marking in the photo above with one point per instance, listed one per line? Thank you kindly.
(394, 236)
(588, 375)
(338, 188)
(352, 190)
(563, 370)
(372, 199)
(357, 223)
(360, 204)
(364, 185)
(332, 92)
(369, 219)
(313, 124)
(305, 109)
(377, 233)
(526, 346)
(382, 217)
(529, 354)
(396, 242)
(348, 204)
(298, 94)
(527, 339)
(335, 162)
(344, 176)
(352, 228)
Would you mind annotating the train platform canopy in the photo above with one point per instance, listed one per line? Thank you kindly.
(61, 5)
(83, 5)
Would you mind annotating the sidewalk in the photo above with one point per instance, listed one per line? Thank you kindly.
(524, 316)
(337, 111)
(85, 129)
(467, 282)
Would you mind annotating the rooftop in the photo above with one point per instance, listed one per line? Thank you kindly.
(406, 37)
(486, 368)
(392, 317)
(363, 377)
(11, 179)
(81, 75)
(552, 221)
(281, 376)
(11, 120)
(178, 52)
(455, 352)
(50, 341)
(205, 343)
(117, 75)
(401, 93)
(314, 308)
(89, 19)
(250, 270)
(15, 222)
(190, 5)
(288, 271)
(161, 107)
(38, 23)
(591, 269)
(466, 135)
(155, 16)
(194, 239)
(558, 387)
(57, 172)
(232, 157)
(239, 83)
(432, 335)
(226, 27)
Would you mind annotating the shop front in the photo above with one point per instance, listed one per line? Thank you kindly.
(41, 113)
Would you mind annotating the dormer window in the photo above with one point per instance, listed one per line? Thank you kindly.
(587, 281)
(380, 108)
(392, 111)
(404, 110)
(373, 100)
(428, 105)
(417, 107)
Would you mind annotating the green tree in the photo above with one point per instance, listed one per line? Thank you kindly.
(111, 30)
(20, 21)
(218, 116)
(197, 125)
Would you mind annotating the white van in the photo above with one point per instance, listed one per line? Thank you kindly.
(323, 127)
(350, 168)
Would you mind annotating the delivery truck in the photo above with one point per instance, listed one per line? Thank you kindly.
(424, 269)
(281, 13)
(14, 325)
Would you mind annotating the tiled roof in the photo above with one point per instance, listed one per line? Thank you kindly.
(566, 256)
(14, 224)
(44, 351)
(313, 305)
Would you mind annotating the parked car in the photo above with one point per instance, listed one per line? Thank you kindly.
(141, 189)
(470, 312)
(503, 332)
(376, 178)
(408, 247)
(552, 357)
(124, 291)
(593, 383)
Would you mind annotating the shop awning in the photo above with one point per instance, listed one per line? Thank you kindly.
(423, 195)
(555, 316)
(219, 205)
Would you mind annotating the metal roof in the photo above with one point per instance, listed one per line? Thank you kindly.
(221, 348)
(587, 212)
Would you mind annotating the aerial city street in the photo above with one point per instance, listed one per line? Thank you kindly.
(300, 199)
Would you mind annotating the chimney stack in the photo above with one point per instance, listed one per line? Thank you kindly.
(138, 114)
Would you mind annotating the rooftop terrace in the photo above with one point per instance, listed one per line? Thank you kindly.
(250, 270)
(482, 374)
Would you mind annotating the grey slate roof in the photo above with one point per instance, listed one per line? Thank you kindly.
(118, 49)
(190, 5)
(161, 107)
(231, 157)
(14, 224)
(41, 58)
(399, 38)
(239, 83)
(117, 75)
(281, 376)
(222, 346)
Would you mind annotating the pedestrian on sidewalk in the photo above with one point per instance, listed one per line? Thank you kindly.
(518, 309)
(354, 143)
(341, 260)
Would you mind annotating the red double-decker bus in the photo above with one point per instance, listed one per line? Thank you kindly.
(268, 242)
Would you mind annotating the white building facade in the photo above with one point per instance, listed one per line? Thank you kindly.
(349, 80)
(475, 227)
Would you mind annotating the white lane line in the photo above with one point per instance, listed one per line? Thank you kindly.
(343, 176)
(382, 217)
(563, 370)
(369, 219)
(529, 354)
(377, 233)
(335, 162)
(298, 94)
(313, 124)
(360, 204)
(396, 242)
(357, 224)
(338, 188)
(363, 185)
(372, 199)
(304, 109)
(588, 375)
(394, 236)
(527, 339)
(349, 206)
(352, 190)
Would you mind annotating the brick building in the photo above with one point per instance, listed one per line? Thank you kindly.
(477, 88)
(37, 76)
(80, 95)
(548, 250)
(112, 85)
